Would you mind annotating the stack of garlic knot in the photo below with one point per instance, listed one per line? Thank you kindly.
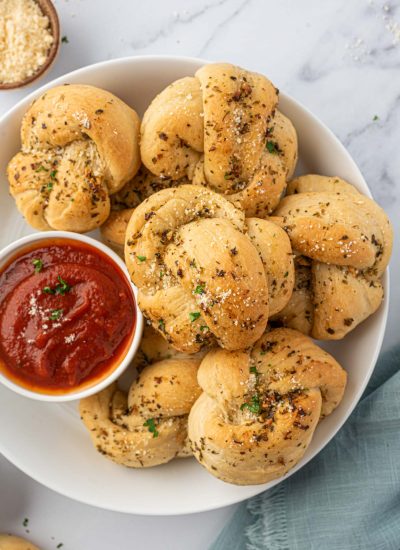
(236, 265)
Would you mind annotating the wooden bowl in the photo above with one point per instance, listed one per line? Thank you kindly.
(48, 9)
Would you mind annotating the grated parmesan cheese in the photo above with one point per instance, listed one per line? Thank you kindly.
(25, 39)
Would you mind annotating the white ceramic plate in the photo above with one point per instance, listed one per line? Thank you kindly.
(49, 443)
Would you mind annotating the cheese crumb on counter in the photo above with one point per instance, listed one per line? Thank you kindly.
(25, 39)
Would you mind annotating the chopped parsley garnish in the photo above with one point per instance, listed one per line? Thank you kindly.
(65, 40)
(55, 314)
(41, 169)
(203, 327)
(38, 265)
(286, 274)
(151, 425)
(60, 545)
(254, 370)
(199, 290)
(161, 325)
(254, 405)
(162, 274)
(193, 264)
(228, 176)
(53, 174)
(193, 315)
(25, 522)
(62, 287)
(374, 119)
(272, 147)
(49, 186)
(141, 258)
(48, 290)
(263, 352)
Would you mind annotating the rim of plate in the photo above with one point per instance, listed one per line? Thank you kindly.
(189, 508)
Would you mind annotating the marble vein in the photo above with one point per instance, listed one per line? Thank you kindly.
(179, 18)
(222, 25)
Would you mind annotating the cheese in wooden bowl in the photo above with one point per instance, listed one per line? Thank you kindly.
(29, 39)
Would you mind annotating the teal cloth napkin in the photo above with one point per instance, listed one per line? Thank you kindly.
(348, 496)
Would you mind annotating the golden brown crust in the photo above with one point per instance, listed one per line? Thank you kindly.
(329, 301)
(221, 130)
(341, 227)
(298, 313)
(199, 276)
(311, 183)
(154, 347)
(11, 542)
(114, 229)
(283, 135)
(130, 444)
(260, 408)
(332, 228)
(167, 388)
(148, 426)
(349, 239)
(343, 298)
(172, 130)
(79, 145)
(273, 246)
(143, 185)
(236, 106)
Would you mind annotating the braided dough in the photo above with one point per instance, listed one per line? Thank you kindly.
(259, 408)
(338, 227)
(204, 274)
(275, 251)
(79, 146)
(298, 313)
(221, 129)
(199, 276)
(160, 398)
(124, 201)
(348, 239)
(154, 347)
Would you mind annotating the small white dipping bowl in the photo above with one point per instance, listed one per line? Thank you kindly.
(18, 247)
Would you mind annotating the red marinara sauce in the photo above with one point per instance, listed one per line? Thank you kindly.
(67, 316)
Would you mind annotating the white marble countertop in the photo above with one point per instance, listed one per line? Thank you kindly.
(341, 59)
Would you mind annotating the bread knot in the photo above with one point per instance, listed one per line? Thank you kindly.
(199, 276)
(147, 426)
(80, 144)
(259, 408)
(221, 129)
(343, 241)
